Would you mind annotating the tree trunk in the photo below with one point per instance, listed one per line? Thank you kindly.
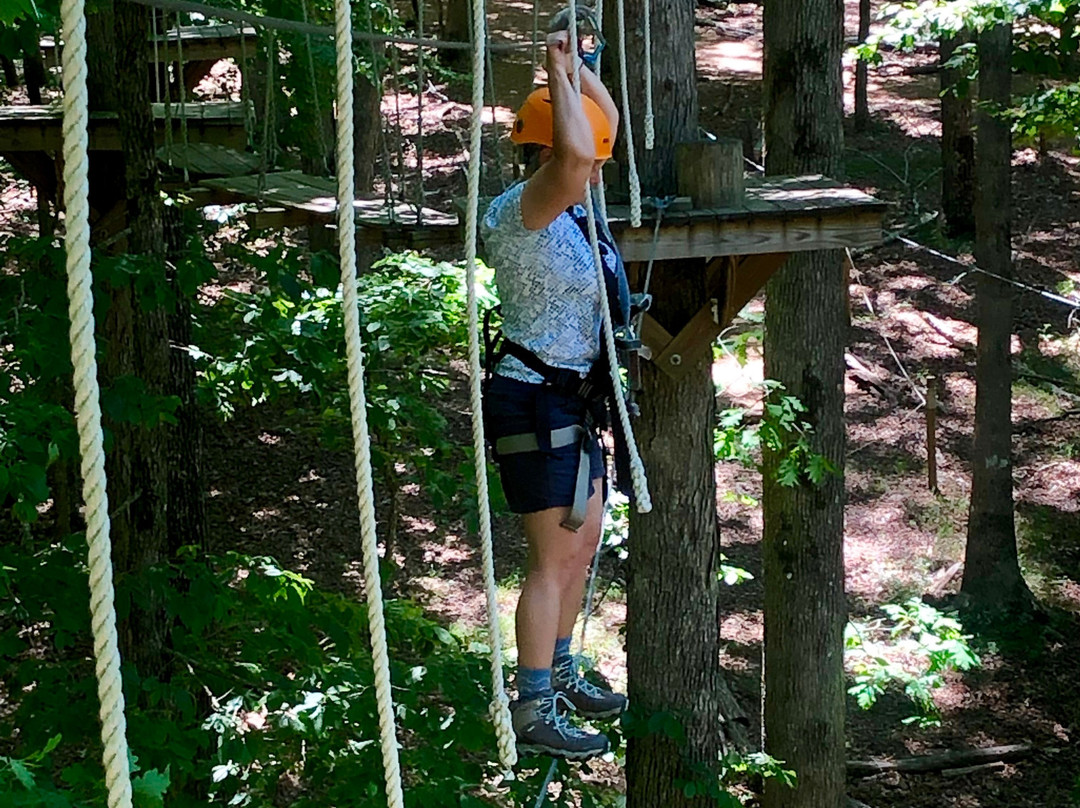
(805, 332)
(672, 586)
(957, 145)
(136, 344)
(187, 494)
(11, 75)
(672, 636)
(992, 581)
(368, 126)
(674, 87)
(862, 73)
(457, 27)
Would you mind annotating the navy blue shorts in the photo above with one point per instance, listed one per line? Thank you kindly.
(536, 481)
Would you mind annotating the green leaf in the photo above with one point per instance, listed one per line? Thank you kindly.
(22, 773)
(148, 790)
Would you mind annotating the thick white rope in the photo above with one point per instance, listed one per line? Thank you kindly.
(631, 156)
(346, 220)
(650, 129)
(637, 468)
(88, 405)
(500, 704)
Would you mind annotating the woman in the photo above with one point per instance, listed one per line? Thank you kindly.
(540, 405)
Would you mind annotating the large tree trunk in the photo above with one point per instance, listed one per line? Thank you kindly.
(992, 581)
(135, 340)
(805, 332)
(957, 144)
(672, 586)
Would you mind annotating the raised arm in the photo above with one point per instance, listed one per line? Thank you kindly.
(592, 87)
(560, 182)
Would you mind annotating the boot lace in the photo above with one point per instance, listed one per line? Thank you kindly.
(550, 713)
(566, 673)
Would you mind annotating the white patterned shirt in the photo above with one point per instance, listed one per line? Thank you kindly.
(548, 287)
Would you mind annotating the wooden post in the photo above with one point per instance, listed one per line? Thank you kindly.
(931, 433)
(711, 172)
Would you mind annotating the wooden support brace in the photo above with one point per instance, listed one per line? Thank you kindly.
(745, 278)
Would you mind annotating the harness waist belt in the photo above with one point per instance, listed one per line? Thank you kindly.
(561, 437)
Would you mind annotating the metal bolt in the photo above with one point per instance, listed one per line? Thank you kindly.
(675, 359)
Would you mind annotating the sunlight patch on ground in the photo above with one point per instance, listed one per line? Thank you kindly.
(739, 385)
(720, 58)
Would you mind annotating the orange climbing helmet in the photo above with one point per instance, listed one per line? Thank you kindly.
(534, 123)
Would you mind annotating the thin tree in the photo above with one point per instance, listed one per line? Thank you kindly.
(806, 326)
(673, 638)
(957, 141)
(862, 73)
(993, 582)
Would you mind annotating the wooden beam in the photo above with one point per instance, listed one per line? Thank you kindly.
(752, 235)
(692, 343)
(745, 279)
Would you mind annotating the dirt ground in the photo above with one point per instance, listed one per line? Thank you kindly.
(274, 492)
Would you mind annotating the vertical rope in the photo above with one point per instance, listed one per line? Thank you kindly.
(183, 94)
(650, 130)
(346, 219)
(631, 155)
(500, 704)
(88, 406)
(637, 468)
(245, 92)
(395, 64)
(535, 43)
(388, 174)
(421, 86)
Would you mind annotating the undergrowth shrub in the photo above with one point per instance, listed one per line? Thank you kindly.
(271, 700)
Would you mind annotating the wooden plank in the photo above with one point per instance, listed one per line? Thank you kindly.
(745, 279)
(655, 337)
(796, 233)
(199, 43)
(316, 198)
(38, 128)
(691, 344)
(209, 159)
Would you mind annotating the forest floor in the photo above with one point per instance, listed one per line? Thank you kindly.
(274, 492)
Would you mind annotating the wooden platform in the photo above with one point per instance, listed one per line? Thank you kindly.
(200, 43)
(37, 128)
(778, 215)
(293, 199)
(208, 160)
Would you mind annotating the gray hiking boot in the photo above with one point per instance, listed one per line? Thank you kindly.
(542, 728)
(589, 700)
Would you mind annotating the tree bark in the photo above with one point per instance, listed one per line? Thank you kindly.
(368, 125)
(805, 332)
(862, 73)
(136, 343)
(992, 580)
(674, 87)
(672, 586)
(957, 144)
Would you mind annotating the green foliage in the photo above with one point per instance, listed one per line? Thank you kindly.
(36, 425)
(1055, 110)
(782, 430)
(917, 645)
(285, 343)
(272, 685)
